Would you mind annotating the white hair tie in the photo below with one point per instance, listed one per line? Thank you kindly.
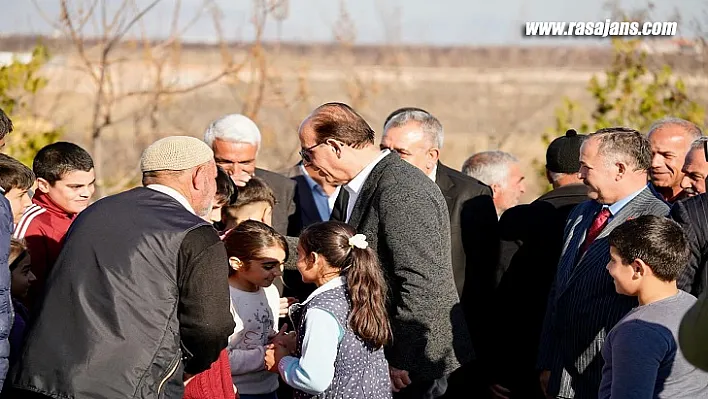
(359, 241)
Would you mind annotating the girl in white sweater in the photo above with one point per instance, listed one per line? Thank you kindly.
(256, 255)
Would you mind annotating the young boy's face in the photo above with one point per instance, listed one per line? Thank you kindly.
(260, 211)
(19, 202)
(626, 281)
(72, 192)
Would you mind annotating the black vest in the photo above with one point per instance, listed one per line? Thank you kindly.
(107, 326)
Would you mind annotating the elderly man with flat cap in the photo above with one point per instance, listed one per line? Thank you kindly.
(138, 300)
(520, 300)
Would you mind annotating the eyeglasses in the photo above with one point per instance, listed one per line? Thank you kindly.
(306, 153)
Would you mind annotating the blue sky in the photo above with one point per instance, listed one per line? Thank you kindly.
(433, 22)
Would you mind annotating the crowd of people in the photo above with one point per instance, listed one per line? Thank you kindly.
(367, 270)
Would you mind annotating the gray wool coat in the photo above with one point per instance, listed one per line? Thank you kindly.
(405, 219)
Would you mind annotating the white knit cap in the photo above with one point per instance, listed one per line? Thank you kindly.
(175, 153)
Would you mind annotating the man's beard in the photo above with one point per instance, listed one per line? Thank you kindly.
(205, 212)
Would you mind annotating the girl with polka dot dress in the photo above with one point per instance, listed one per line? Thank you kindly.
(343, 325)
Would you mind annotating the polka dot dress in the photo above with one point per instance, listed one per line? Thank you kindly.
(359, 372)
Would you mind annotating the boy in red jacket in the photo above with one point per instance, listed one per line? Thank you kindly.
(65, 184)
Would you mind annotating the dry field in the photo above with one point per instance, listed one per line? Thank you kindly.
(482, 105)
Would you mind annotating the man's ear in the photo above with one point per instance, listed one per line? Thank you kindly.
(200, 177)
(235, 263)
(621, 170)
(43, 185)
(496, 190)
(336, 146)
(433, 156)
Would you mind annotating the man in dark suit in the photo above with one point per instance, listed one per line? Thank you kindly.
(235, 140)
(520, 299)
(692, 215)
(583, 305)
(404, 217)
(315, 197)
(314, 201)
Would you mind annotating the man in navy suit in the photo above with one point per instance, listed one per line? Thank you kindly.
(583, 305)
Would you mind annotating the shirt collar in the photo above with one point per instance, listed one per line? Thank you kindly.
(172, 193)
(310, 182)
(333, 283)
(355, 185)
(617, 206)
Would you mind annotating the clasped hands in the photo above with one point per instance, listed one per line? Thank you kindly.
(279, 345)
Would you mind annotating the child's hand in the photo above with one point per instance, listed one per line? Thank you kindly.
(286, 340)
(285, 305)
(270, 362)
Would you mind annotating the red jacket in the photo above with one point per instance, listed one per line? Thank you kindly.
(215, 383)
(43, 227)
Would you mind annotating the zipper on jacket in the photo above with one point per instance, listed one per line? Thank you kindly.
(167, 377)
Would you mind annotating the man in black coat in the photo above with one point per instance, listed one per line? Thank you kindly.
(520, 300)
(235, 140)
(404, 217)
(692, 215)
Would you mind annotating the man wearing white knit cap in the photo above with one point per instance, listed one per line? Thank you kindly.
(138, 300)
(236, 140)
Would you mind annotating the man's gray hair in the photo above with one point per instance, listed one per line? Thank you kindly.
(691, 129)
(234, 128)
(621, 144)
(490, 167)
(429, 125)
(698, 144)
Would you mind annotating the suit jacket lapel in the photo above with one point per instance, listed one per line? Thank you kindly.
(307, 201)
(570, 253)
(366, 195)
(634, 208)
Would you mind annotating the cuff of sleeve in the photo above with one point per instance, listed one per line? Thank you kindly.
(286, 363)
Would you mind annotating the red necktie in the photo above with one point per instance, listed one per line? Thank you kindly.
(596, 227)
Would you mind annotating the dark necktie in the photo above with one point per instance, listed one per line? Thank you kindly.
(596, 227)
(339, 212)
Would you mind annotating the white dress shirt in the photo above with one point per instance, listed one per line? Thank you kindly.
(355, 185)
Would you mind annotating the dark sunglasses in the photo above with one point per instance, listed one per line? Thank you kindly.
(306, 153)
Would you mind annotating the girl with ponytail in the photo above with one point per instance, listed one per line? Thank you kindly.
(343, 325)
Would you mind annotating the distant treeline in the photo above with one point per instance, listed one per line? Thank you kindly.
(576, 57)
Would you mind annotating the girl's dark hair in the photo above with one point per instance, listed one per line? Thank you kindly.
(249, 238)
(365, 280)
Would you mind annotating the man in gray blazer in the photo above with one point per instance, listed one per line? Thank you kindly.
(583, 305)
(404, 217)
